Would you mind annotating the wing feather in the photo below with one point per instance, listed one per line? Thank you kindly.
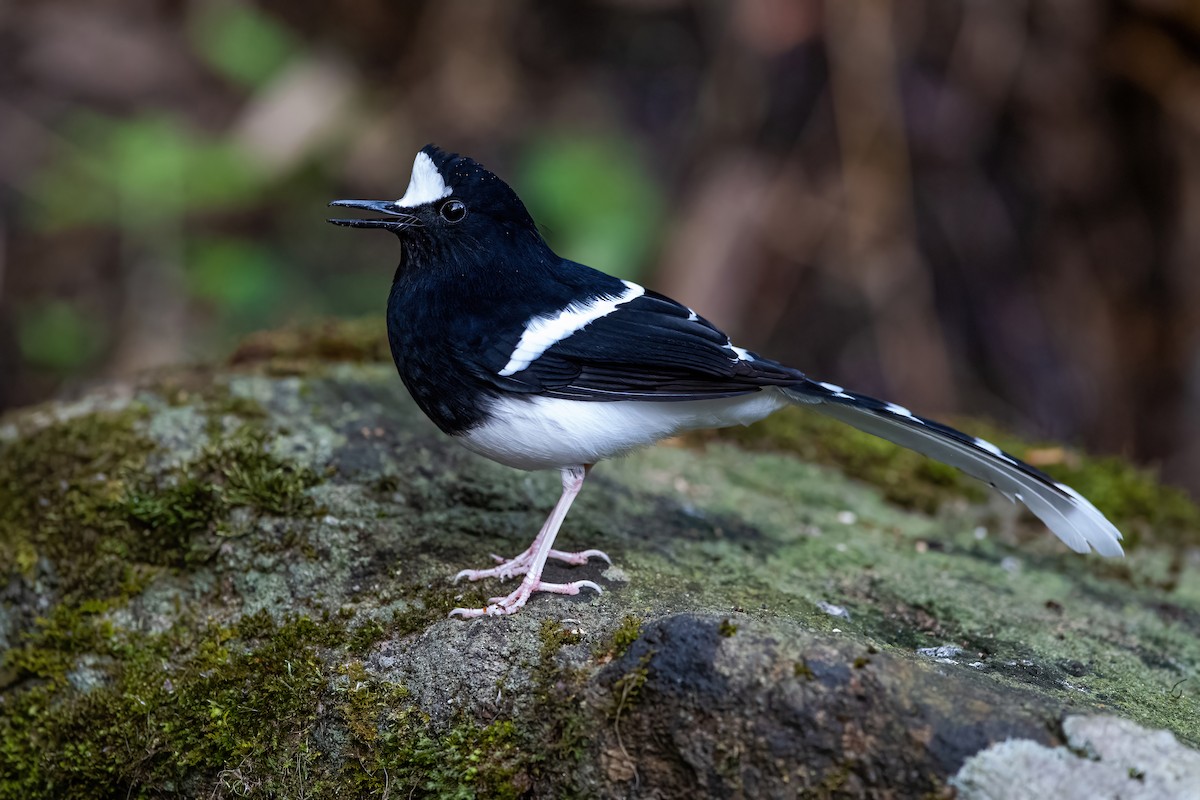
(650, 348)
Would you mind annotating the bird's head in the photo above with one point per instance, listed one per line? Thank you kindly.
(453, 205)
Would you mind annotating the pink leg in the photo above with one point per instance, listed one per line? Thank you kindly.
(533, 560)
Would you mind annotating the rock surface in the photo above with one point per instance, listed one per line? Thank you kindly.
(234, 583)
(1105, 758)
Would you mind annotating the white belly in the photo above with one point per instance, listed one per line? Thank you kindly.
(550, 433)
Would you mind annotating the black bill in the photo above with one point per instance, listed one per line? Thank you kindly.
(396, 219)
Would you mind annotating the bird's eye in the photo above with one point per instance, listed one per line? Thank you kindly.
(453, 211)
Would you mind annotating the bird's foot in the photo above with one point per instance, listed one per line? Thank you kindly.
(510, 604)
(510, 568)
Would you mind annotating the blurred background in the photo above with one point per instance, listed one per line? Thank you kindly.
(965, 206)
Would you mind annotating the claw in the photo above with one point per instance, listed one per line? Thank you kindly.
(510, 604)
(468, 613)
(596, 554)
(516, 601)
(510, 568)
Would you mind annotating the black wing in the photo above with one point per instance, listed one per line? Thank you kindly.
(650, 348)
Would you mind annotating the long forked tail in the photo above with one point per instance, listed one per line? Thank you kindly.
(1072, 518)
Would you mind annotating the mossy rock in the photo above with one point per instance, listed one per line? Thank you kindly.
(234, 583)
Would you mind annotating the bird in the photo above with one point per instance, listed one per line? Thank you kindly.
(541, 363)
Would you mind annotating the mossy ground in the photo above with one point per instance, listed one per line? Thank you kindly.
(95, 704)
(252, 710)
(234, 584)
(981, 577)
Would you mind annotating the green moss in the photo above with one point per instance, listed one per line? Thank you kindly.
(236, 470)
(49, 651)
(833, 784)
(1138, 504)
(363, 340)
(174, 513)
(243, 709)
(366, 635)
(391, 747)
(553, 637)
(395, 751)
(220, 401)
(428, 604)
(208, 392)
(168, 709)
(625, 634)
(61, 492)
(626, 688)
(246, 473)
(557, 730)
(75, 499)
(81, 515)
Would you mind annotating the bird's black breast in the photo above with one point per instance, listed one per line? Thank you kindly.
(451, 330)
(429, 341)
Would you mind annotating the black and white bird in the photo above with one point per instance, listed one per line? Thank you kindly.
(538, 362)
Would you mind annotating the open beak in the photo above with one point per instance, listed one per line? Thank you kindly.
(397, 219)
